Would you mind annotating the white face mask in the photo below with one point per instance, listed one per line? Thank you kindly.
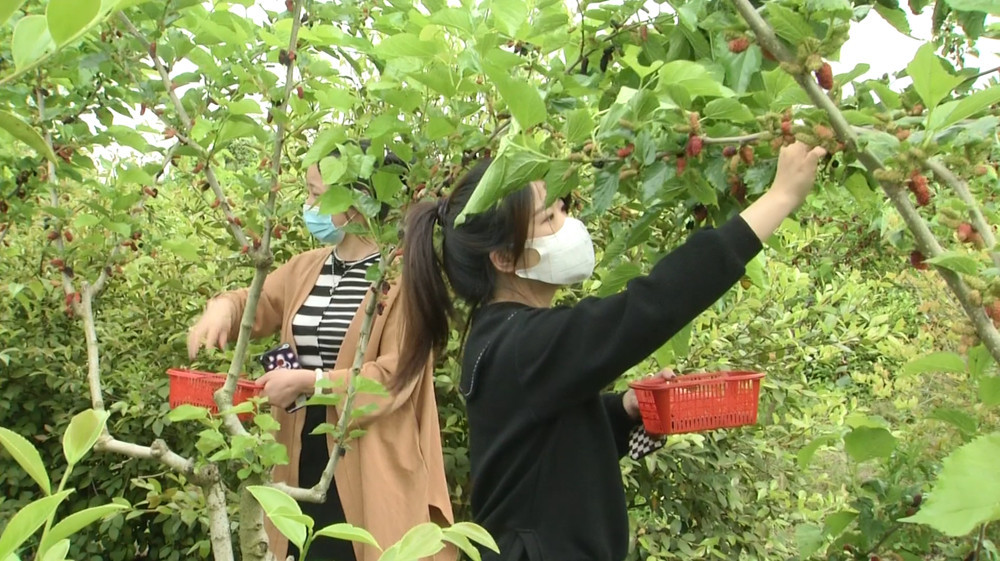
(566, 257)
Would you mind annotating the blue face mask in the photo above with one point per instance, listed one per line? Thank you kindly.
(321, 226)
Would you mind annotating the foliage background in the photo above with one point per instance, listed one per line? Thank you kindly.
(831, 312)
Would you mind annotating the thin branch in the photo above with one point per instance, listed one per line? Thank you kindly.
(922, 234)
(981, 74)
(961, 189)
(3, 232)
(621, 29)
(317, 493)
(184, 136)
(745, 139)
(67, 281)
(158, 451)
(93, 356)
(979, 542)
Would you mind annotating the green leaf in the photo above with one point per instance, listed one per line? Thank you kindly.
(866, 443)
(728, 109)
(348, 532)
(579, 126)
(509, 15)
(955, 261)
(692, 78)
(183, 248)
(988, 6)
(788, 24)
(187, 412)
(369, 386)
(78, 521)
(85, 221)
(473, 532)
(67, 18)
(245, 106)
(930, 79)
(26, 521)
(458, 18)
(31, 40)
(7, 9)
(274, 501)
(57, 552)
(522, 98)
(980, 360)
(967, 491)
(965, 423)
(25, 133)
(989, 390)
(807, 452)
(325, 142)
(942, 361)
(336, 199)
(27, 457)
(954, 111)
(838, 522)
(616, 279)
(237, 126)
(332, 168)
(513, 168)
(895, 16)
(292, 526)
(809, 538)
(423, 540)
(407, 45)
(857, 185)
(82, 433)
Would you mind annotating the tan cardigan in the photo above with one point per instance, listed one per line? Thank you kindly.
(391, 478)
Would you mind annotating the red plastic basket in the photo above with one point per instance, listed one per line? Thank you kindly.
(196, 388)
(698, 402)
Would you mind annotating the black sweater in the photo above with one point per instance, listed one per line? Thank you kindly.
(544, 442)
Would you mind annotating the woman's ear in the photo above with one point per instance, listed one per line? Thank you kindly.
(503, 261)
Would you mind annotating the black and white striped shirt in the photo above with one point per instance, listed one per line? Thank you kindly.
(320, 324)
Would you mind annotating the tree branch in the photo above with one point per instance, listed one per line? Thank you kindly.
(317, 493)
(961, 189)
(736, 139)
(219, 533)
(922, 234)
(621, 29)
(184, 136)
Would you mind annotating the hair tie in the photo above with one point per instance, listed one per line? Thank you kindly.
(442, 210)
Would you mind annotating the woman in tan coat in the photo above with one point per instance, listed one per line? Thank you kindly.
(392, 477)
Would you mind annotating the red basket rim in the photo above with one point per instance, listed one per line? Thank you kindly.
(695, 379)
(199, 374)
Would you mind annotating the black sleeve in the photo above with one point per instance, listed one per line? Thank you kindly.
(621, 423)
(566, 355)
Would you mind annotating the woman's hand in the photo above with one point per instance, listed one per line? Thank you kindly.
(212, 328)
(282, 386)
(794, 180)
(796, 173)
(629, 400)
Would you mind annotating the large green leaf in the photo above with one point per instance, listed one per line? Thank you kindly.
(78, 521)
(81, 435)
(942, 361)
(930, 78)
(283, 511)
(67, 18)
(523, 99)
(7, 9)
(57, 552)
(513, 168)
(423, 540)
(579, 126)
(728, 109)
(866, 443)
(989, 390)
(967, 491)
(808, 538)
(692, 78)
(25, 521)
(31, 40)
(407, 45)
(965, 423)
(988, 6)
(26, 134)
(348, 532)
(788, 24)
(895, 16)
(954, 111)
(26, 456)
(473, 532)
(956, 261)
(509, 15)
